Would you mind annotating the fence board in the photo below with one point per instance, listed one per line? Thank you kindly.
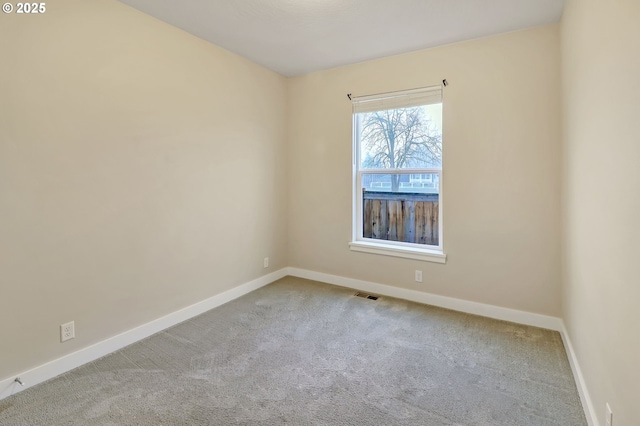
(367, 228)
(419, 223)
(406, 217)
(393, 207)
(384, 221)
(375, 219)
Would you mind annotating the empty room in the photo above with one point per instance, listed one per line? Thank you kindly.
(320, 212)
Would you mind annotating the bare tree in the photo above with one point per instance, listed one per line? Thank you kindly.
(400, 138)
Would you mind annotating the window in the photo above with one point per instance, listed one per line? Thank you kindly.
(397, 153)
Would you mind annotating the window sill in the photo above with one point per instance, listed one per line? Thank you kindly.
(427, 255)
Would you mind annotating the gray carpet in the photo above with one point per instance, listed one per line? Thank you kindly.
(304, 353)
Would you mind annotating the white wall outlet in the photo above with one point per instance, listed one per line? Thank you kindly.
(265, 263)
(418, 276)
(67, 331)
(609, 416)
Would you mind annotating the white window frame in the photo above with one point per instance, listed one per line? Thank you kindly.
(359, 243)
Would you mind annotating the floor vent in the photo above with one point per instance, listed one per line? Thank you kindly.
(366, 296)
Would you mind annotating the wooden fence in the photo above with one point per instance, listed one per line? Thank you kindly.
(400, 216)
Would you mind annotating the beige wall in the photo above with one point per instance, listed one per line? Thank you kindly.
(601, 81)
(502, 130)
(141, 170)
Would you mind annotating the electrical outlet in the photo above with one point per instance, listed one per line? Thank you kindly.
(67, 331)
(265, 263)
(418, 276)
(609, 416)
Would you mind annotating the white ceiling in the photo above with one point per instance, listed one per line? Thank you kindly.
(294, 37)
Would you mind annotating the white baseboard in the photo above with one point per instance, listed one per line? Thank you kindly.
(583, 391)
(68, 362)
(491, 311)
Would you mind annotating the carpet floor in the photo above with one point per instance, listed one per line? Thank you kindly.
(306, 353)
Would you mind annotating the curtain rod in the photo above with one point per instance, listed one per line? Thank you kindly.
(445, 83)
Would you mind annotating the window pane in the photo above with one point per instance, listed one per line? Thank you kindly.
(401, 207)
(401, 138)
(424, 183)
